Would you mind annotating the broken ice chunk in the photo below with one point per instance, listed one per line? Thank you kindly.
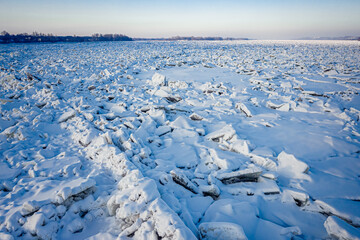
(225, 163)
(89, 116)
(183, 155)
(30, 207)
(87, 136)
(289, 231)
(158, 80)
(314, 94)
(210, 190)
(180, 135)
(161, 93)
(173, 99)
(285, 107)
(162, 130)
(240, 146)
(196, 117)
(130, 231)
(145, 108)
(167, 224)
(67, 115)
(172, 202)
(60, 210)
(209, 65)
(339, 229)
(197, 206)
(263, 162)
(34, 222)
(272, 105)
(270, 176)
(200, 131)
(330, 72)
(76, 225)
(8, 173)
(263, 151)
(180, 122)
(48, 210)
(226, 133)
(246, 175)
(47, 231)
(129, 125)
(242, 108)
(73, 188)
(177, 84)
(40, 104)
(221, 230)
(158, 115)
(300, 198)
(182, 180)
(291, 167)
(346, 209)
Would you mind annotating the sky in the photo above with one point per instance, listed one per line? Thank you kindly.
(258, 19)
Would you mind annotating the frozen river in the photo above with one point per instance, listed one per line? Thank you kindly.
(180, 140)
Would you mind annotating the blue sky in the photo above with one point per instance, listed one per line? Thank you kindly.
(262, 19)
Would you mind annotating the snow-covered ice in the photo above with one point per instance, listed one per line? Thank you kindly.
(180, 140)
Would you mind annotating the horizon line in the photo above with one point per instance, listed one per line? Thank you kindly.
(182, 37)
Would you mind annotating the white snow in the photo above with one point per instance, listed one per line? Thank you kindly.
(180, 140)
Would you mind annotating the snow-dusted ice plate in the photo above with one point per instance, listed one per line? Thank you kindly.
(180, 140)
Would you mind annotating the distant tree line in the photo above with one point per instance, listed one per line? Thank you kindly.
(110, 37)
(192, 38)
(36, 37)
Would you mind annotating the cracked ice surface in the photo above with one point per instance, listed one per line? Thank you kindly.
(180, 140)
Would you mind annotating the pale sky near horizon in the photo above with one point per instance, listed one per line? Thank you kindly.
(261, 19)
